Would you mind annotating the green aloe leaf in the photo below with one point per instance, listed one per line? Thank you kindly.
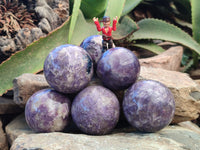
(195, 27)
(196, 19)
(31, 59)
(74, 16)
(125, 28)
(93, 8)
(150, 46)
(83, 29)
(130, 5)
(158, 29)
(114, 8)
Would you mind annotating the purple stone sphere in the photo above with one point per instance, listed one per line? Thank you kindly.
(95, 110)
(68, 68)
(149, 106)
(118, 68)
(47, 111)
(93, 45)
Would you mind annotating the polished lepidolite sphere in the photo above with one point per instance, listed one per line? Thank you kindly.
(93, 45)
(95, 110)
(47, 111)
(149, 106)
(68, 68)
(118, 68)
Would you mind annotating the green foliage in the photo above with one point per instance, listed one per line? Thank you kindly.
(195, 27)
(158, 29)
(74, 16)
(124, 28)
(93, 8)
(129, 6)
(150, 46)
(114, 8)
(184, 13)
(196, 19)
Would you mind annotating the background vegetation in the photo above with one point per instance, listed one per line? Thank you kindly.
(176, 21)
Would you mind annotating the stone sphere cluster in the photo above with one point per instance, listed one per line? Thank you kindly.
(148, 105)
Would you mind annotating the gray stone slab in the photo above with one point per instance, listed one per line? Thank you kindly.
(169, 138)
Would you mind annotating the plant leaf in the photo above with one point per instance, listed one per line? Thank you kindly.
(158, 29)
(31, 59)
(150, 46)
(196, 19)
(83, 29)
(114, 8)
(93, 8)
(125, 28)
(74, 16)
(129, 6)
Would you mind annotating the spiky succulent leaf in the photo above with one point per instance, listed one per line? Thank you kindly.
(150, 46)
(158, 29)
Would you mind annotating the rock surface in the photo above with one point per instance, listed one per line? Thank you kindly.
(3, 140)
(25, 85)
(23, 38)
(17, 127)
(190, 125)
(7, 46)
(171, 137)
(182, 86)
(44, 26)
(43, 10)
(8, 106)
(131, 141)
(169, 60)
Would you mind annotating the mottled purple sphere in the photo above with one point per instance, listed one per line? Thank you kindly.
(68, 68)
(149, 106)
(95, 110)
(118, 68)
(47, 111)
(93, 45)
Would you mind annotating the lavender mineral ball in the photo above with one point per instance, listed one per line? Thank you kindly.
(149, 106)
(68, 68)
(118, 68)
(47, 111)
(93, 45)
(95, 110)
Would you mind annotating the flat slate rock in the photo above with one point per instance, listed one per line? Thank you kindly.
(190, 125)
(170, 138)
(17, 127)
